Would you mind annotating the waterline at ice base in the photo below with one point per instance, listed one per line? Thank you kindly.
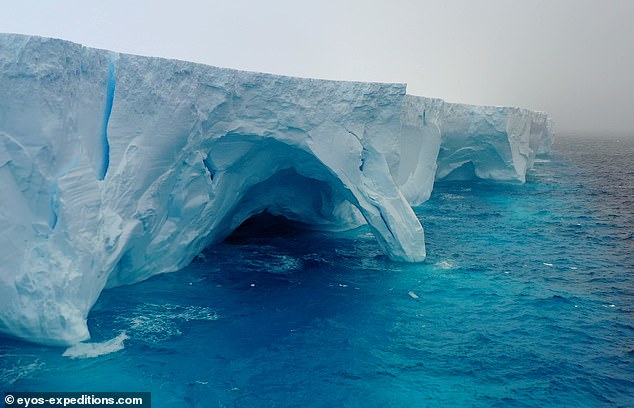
(115, 168)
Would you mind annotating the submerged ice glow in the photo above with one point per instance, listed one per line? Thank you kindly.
(115, 168)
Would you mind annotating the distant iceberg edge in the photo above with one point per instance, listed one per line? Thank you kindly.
(117, 167)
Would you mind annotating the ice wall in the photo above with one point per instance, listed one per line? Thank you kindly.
(115, 167)
(450, 141)
(487, 142)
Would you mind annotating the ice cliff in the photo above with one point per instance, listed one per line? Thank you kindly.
(115, 167)
(450, 141)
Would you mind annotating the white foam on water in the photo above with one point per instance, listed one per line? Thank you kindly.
(21, 369)
(153, 323)
(447, 265)
(91, 350)
(277, 264)
(449, 196)
(153, 329)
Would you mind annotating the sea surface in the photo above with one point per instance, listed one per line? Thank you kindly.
(526, 300)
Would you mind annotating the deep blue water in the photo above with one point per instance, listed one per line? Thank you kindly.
(526, 299)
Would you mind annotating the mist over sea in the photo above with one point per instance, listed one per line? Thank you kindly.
(526, 299)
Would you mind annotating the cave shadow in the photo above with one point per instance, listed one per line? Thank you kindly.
(266, 226)
(272, 279)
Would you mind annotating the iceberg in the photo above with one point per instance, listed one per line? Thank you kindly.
(115, 167)
(452, 141)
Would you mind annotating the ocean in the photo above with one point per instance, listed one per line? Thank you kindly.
(526, 299)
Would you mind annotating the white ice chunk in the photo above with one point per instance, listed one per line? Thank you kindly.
(91, 350)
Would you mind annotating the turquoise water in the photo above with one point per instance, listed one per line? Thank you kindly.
(526, 299)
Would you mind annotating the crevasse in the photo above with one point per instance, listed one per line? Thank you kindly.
(112, 82)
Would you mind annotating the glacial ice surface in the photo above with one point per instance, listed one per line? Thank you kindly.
(116, 167)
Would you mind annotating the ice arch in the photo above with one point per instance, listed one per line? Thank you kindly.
(240, 175)
(116, 167)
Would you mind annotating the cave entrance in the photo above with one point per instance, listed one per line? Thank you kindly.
(464, 172)
(265, 226)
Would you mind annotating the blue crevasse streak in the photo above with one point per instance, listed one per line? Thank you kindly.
(209, 168)
(106, 118)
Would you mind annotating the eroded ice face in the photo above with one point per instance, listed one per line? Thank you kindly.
(115, 167)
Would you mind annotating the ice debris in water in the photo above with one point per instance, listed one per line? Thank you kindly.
(90, 350)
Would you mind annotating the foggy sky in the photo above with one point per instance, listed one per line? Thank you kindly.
(571, 58)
